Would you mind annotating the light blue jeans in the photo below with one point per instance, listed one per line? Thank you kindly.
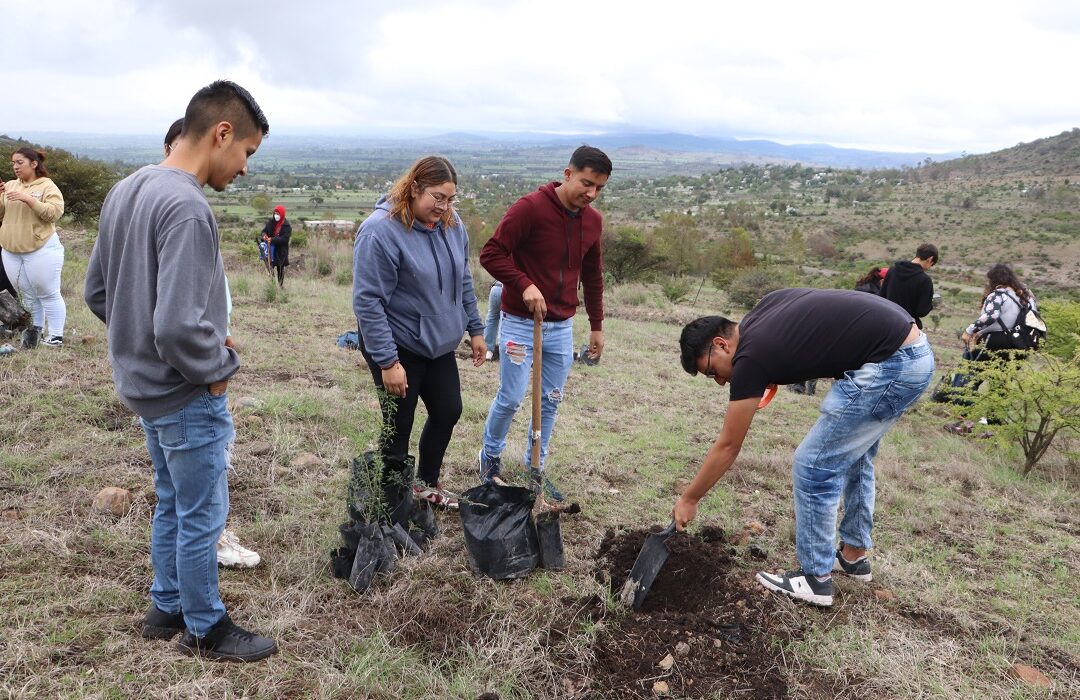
(837, 455)
(491, 327)
(189, 449)
(515, 365)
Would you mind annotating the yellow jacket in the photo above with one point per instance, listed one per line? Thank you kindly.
(25, 228)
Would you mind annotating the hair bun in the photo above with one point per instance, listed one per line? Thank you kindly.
(40, 156)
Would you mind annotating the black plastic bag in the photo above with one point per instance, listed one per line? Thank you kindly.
(549, 533)
(369, 559)
(500, 535)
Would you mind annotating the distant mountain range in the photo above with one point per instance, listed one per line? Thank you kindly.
(718, 150)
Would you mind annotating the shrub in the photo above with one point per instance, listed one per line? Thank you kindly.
(747, 288)
(270, 290)
(83, 182)
(676, 289)
(1027, 402)
(298, 239)
(628, 256)
(1062, 327)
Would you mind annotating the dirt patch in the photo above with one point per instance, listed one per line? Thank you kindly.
(711, 619)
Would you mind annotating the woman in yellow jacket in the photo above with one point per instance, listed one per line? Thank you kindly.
(33, 256)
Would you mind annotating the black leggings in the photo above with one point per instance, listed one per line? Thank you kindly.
(280, 275)
(436, 383)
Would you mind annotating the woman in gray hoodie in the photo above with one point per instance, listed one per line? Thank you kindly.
(414, 300)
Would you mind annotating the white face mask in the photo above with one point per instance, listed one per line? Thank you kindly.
(277, 217)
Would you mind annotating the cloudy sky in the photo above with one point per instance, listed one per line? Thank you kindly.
(941, 75)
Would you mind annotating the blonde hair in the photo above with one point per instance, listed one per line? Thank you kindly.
(429, 171)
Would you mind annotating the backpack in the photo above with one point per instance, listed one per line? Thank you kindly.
(1029, 329)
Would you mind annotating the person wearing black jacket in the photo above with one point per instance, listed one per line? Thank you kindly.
(907, 284)
(276, 234)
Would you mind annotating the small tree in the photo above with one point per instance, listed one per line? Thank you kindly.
(1029, 402)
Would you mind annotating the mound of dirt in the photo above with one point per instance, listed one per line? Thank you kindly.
(713, 621)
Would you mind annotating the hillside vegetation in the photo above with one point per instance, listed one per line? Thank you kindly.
(975, 566)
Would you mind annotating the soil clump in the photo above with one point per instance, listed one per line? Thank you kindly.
(708, 615)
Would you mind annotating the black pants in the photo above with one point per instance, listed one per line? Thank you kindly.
(436, 383)
(280, 275)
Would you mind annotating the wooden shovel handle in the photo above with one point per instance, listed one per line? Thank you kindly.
(537, 371)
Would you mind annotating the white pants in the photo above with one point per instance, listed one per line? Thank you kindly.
(37, 277)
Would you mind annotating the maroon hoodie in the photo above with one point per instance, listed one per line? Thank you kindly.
(539, 242)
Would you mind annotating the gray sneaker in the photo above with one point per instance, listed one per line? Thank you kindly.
(858, 569)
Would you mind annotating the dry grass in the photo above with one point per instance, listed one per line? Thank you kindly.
(982, 564)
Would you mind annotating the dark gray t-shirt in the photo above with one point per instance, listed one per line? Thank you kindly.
(156, 279)
(794, 335)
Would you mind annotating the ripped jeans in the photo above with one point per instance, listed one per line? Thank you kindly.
(515, 365)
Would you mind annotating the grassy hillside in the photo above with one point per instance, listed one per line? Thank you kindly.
(975, 567)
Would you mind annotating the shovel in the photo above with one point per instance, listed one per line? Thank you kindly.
(648, 564)
(548, 528)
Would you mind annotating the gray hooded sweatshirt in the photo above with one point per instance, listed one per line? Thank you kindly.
(156, 279)
(412, 286)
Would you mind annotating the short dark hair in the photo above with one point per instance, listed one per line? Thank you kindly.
(224, 100)
(927, 251)
(174, 131)
(593, 158)
(696, 336)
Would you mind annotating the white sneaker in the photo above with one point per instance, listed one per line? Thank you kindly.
(488, 355)
(231, 553)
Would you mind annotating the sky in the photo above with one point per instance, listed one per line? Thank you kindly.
(935, 76)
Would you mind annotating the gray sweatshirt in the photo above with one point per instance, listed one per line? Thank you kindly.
(156, 279)
(412, 287)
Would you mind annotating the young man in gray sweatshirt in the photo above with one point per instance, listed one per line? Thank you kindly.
(156, 279)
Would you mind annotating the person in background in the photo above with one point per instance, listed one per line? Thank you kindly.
(871, 281)
(156, 278)
(413, 298)
(230, 552)
(988, 338)
(33, 255)
(907, 284)
(276, 234)
(791, 335)
(545, 243)
(491, 327)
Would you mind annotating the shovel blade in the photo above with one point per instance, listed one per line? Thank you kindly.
(647, 565)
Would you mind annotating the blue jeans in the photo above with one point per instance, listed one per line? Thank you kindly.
(491, 327)
(837, 455)
(189, 449)
(515, 365)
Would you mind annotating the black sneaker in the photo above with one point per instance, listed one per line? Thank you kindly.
(858, 569)
(227, 642)
(799, 585)
(30, 337)
(158, 624)
(54, 341)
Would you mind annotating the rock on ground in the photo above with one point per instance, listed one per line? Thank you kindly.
(113, 500)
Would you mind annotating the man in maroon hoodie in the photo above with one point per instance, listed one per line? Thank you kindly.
(545, 243)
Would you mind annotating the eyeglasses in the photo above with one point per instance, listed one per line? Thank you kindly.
(709, 373)
(442, 200)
